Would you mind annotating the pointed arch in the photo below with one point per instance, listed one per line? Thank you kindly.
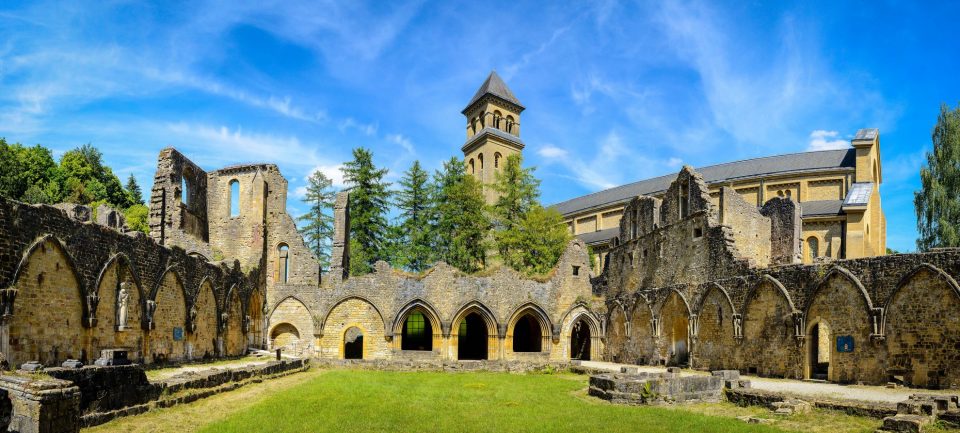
(840, 272)
(419, 327)
(204, 325)
(431, 314)
(776, 284)
(323, 320)
(616, 331)
(169, 315)
(63, 249)
(920, 320)
(715, 287)
(674, 318)
(176, 271)
(285, 298)
(521, 332)
(923, 267)
(674, 291)
(478, 307)
(288, 315)
(125, 260)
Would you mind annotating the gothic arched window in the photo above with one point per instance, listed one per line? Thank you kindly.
(234, 203)
(283, 263)
(496, 160)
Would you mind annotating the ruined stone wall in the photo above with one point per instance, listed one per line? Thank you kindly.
(59, 281)
(749, 228)
(785, 229)
(898, 312)
(237, 236)
(178, 217)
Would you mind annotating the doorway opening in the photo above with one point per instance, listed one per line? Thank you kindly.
(472, 338)
(580, 340)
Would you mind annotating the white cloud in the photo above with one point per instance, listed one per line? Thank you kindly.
(550, 151)
(349, 123)
(402, 141)
(221, 144)
(826, 140)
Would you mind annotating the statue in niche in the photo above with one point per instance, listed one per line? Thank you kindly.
(123, 297)
(737, 326)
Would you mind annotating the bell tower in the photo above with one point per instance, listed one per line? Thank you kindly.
(493, 131)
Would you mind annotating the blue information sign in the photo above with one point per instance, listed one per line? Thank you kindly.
(177, 334)
(845, 343)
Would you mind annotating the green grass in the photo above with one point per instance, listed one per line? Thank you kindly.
(374, 401)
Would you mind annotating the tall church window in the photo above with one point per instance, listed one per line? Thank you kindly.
(184, 194)
(813, 249)
(480, 160)
(496, 160)
(510, 124)
(684, 199)
(234, 198)
(283, 263)
(496, 119)
(470, 166)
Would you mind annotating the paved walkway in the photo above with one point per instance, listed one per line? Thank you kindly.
(798, 388)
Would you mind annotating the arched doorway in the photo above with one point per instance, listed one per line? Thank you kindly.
(819, 339)
(472, 338)
(527, 334)
(679, 350)
(353, 343)
(417, 332)
(284, 336)
(580, 340)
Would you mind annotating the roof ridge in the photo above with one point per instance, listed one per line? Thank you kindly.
(494, 85)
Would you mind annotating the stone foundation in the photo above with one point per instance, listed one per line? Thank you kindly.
(41, 405)
(656, 388)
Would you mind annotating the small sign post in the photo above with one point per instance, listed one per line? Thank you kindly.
(177, 334)
(845, 343)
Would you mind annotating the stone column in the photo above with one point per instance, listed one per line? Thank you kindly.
(340, 257)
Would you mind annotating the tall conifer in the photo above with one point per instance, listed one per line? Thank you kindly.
(938, 200)
(369, 199)
(317, 228)
(415, 203)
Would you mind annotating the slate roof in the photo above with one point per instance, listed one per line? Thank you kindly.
(493, 131)
(495, 86)
(780, 164)
(601, 236)
(859, 194)
(820, 208)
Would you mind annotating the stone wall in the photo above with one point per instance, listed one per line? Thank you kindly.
(896, 314)
(60, 279)
(177, 216)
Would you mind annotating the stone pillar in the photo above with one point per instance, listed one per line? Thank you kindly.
(340, 257)
(42, 406)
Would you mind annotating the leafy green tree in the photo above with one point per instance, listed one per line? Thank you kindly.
(416, 206)
(317, 228)
(517, 189)
(937, 202)
(27, 169)
(86, 179)
(369, 201)
(137, 218)
(134, 192)
(461, 224)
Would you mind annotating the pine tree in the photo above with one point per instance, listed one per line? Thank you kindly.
(460, 222)
(317, 228)
(369, 199)
(133, 190)
(938, 200)
(415, 203)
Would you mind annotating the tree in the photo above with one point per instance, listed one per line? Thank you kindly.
(136, 217)
(536, 243)
(133, 190)
(415, 204)
(86, 179)
(369, 199)
(518, 191)
(937, 202)
(461, 224)
(317, 228)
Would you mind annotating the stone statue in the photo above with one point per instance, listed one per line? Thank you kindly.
(737, 326)
(122, 299)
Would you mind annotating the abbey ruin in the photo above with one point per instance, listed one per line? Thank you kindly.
(785, 278)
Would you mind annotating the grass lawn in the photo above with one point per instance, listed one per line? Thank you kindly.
(375, 401)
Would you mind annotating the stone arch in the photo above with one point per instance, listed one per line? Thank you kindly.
(617, 332)
(581, 334)
(485, 341)
(673, 316)
(116, 276)
(358, 312)
(432, 326)
(840, 307)
(49, 308)
(204, 324)
(256, 322)
(769, 331)
(641, 348)
(234, 338)
(166, 337)
(535, 317)
(294, 313)
(923, 329)
(715, 342)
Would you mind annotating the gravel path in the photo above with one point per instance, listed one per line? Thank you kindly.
(801, 388)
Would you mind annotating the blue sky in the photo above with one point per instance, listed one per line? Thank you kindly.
(615, 91)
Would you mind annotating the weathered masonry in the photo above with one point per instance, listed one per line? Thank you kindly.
(712, 284)
(837, 192)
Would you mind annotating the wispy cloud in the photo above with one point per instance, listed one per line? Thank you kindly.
(350, 123)
(401, 141)
(826, 140)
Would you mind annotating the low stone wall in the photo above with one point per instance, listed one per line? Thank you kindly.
(656, 388)
(755, 397)
(188, 387)
(40, 405)
(108, 388)
(448, 366)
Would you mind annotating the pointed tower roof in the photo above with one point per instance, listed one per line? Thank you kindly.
(495, 86)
